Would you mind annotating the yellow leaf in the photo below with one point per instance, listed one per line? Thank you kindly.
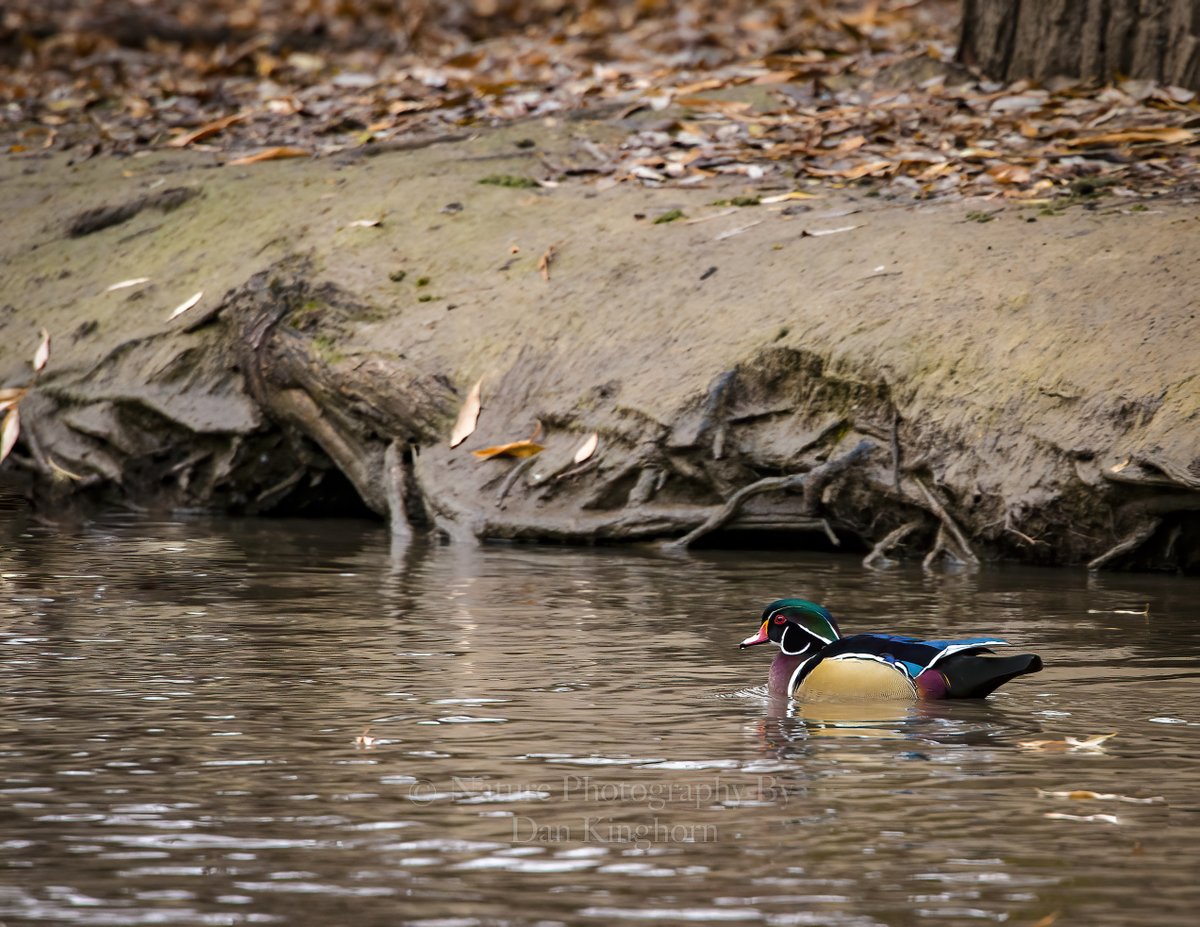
(468, 415)
(587, 448)
(42, 354)
(9, 432)
(525, 448)
(272, 154)
(1168, 135)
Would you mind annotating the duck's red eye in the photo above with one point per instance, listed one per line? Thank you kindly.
(779, 619)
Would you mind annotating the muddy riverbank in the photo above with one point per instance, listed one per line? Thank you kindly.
(960, 381)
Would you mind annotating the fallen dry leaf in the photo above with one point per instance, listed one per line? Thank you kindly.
(587, 448)
(784, 197)
(272, 154)
(9, 432)
(1168, 135)
(1047, 920)
(523, 448)
(10, 396)
(544, 263)
(364, 223)
(125, 284)
(1010, 173)
(185, 305)
(468, 415)
(212, 128)
(817, 233)
(42, 354)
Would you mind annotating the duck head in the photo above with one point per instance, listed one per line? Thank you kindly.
(798, 627)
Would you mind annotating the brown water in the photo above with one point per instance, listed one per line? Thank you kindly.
(565, 737)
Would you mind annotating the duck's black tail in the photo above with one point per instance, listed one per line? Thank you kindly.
(978, 675)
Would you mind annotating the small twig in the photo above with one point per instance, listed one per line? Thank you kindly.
(878, 553)
(510, 480)
(1132, 541)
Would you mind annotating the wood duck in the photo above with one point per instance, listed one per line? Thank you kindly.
(815, 663)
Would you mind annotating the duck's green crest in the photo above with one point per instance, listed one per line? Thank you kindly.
(814, 618)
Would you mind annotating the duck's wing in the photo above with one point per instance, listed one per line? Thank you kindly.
(913, 653)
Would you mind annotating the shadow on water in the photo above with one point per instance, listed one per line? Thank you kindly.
(304, 723)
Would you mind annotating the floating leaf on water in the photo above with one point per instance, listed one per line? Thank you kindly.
(271, 154)
(1047, 920)
(1092, 742)
(185, 305)
(365, 740)
(1087, 795)
(587, 448)
(9, 432)
(468, 415)
(525, 448)
(1087, 818)
(125, 284)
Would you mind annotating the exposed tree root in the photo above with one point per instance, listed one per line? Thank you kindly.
(811, 483)
(878, 556)
(950, 536)
(1135, 539)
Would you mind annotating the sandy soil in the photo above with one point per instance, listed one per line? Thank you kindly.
(1028, 381)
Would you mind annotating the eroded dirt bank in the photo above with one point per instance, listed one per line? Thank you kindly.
(1024, 387)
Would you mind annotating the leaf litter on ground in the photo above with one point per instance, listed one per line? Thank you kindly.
(771, 95)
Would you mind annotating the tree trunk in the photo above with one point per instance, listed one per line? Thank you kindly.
(1096, 40)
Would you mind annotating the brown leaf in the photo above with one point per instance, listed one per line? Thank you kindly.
(272, 154)
(1047, 920)
(212, 128)
(524, 448)
(42, 354)
(1167, 135)
(1010, 173)
(9, 432)
(468, 415)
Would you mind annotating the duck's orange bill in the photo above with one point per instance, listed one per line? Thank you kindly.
(759, 638)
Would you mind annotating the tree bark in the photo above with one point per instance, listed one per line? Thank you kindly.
(1094, 40)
